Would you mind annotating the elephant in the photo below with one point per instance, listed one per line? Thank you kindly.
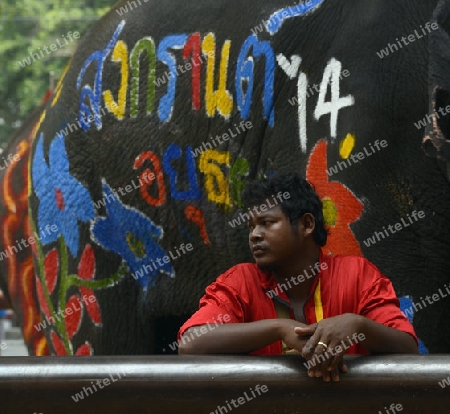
(165, 113)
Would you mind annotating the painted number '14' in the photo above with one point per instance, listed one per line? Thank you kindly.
(331, 77)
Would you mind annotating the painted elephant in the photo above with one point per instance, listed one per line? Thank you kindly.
(167, 110)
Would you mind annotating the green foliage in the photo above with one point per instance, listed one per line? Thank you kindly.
(28, 28)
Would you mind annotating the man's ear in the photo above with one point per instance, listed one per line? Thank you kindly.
(308, 223)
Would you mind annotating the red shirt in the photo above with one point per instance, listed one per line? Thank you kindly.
(347, 284)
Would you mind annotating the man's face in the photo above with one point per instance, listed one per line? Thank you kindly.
(272, 240)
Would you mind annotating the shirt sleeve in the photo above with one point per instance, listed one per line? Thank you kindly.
(220, 304)
(380, 303)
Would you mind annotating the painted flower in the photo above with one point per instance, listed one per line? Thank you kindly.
(72, 319)
(72, 315)
(58, 344)
(51, 268)
(73, 309)
(60, 350)
(63, 200)
(86, 271)
(133, 236)
(340, 206)
(84, 350)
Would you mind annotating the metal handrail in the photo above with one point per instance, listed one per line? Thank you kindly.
(209, 384)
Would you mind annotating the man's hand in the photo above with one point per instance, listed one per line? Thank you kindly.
(326, 341)
(291, 338)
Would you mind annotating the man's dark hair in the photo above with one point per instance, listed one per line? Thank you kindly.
(303, 199)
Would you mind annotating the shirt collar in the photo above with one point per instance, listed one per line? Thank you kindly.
(268, 281)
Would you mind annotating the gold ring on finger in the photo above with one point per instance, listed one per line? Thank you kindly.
(321, 343)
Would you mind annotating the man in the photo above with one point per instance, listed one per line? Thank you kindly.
(335, 304)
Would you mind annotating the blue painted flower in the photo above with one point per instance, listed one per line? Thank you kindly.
(132, 235)
(406, 306)
(63, 199)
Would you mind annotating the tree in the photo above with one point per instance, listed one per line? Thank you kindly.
(28, 29)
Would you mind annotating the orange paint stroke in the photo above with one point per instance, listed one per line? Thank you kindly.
(349, 209)
(15, 225)
(195, 215)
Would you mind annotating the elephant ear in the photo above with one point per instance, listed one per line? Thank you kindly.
(436, 141)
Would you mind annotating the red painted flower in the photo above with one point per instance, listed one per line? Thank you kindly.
(341, 207)
(72, 315)
(84, 350)
(60, 350)
(51, 268)
(86, 271)
(58, 344)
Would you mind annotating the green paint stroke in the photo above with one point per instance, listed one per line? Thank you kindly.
(146, 44)
(66, 282)
(239, 169)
